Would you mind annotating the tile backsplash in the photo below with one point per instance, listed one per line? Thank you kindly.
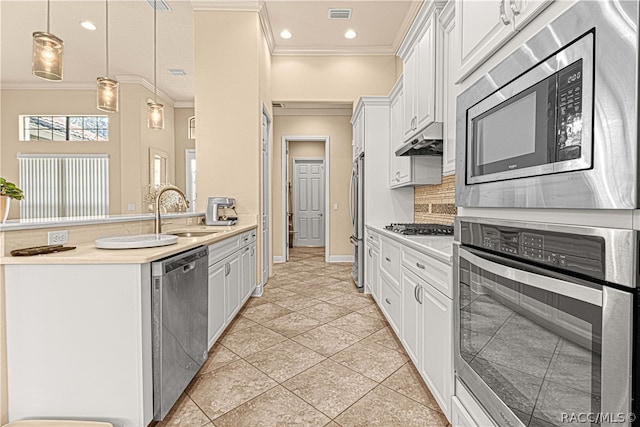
(436, 203)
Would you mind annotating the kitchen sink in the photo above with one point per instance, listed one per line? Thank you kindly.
(136, 241)
(192, 233)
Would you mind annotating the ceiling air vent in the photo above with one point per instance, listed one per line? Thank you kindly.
(161, 5)
(339, 13)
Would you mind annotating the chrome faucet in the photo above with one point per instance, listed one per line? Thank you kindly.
(158, 222)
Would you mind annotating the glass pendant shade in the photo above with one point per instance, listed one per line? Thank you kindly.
(156, 116)
(47, 56)
(107, 99)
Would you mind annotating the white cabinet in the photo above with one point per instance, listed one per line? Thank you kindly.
(484, 26)
(390, 260)
(372, 270)
(217, 317)
(437, 366)
(412, 317)
(451, 70)
(358, 134)
(391, 303)
(422, 71)
(232, 286)
(459, 415)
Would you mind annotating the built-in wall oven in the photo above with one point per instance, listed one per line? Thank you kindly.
(555, 123)
(544, 321)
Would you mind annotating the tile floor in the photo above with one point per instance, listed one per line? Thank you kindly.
(311, 351)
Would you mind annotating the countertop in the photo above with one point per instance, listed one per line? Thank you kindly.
(87, 253)
(439, 247)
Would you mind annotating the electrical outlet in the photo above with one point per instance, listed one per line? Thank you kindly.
(58, 237)
(335, 206)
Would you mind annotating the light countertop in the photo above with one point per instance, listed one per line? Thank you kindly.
(439, 247)
(87, 253)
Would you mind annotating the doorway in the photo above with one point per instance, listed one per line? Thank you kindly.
(190, 179)
(289, 142)
(308, 197)
(266, 195)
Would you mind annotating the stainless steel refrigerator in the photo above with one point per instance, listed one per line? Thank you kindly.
(356, 206)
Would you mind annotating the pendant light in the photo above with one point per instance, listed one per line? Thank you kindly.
(155, 110)
(46, 61)
(107, 91)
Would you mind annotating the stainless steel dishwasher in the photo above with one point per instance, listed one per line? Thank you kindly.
(179, 299)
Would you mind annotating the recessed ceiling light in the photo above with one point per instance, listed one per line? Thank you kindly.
(286, 34)
(350, 34)
(88, 25)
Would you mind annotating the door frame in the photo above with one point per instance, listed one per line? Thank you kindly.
(324, 192)
(265, 190)
(190, 154)
(285, 195)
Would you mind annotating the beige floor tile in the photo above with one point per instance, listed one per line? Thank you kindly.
(373, 311)
(322, 278)
(184, 413)
(265, 312)
(275, 294)
(222, 390)
(350, 301)
(387, 338)
(346, 287)
(407, 381)
(384, 408)
(251, 340)
(292, 324)
(219, 356)
(254, 301)
(359, 358)
(238, 324)
(358, 324)
(296, 303)
(285, 360)
(330, 387)
(326, 312)
(277, 407)
(326, 339)
(321, 293)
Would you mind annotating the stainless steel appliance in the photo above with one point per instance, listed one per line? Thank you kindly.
(429, 143)
(179, 301)
(544, 320)
(216, 213)
(356, 210)
(555, 124)
(421, 229)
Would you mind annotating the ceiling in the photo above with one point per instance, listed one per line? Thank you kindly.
(380, 26)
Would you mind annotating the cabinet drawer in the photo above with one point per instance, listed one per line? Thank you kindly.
(219, 250)
(390, 302)
(390, 260)
(434, 272)
(373, 239)
(248, 237)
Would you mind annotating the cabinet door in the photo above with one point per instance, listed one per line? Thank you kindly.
(526, 10)
(426, 75)
(459, 415)
(232, 285)
(368, 267)
(412, 315)
(451, 70)
(484, 26)
(245, 277)
(400, 166)
(375, 272)
(409, 81)
(217, 315)
(254, 266)
(358, 135)
(438, 349)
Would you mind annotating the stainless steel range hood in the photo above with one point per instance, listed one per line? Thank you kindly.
(427, 143)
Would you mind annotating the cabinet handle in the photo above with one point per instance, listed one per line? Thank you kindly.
(514, 8)
(421, 266)
(415, 293)
(387, 258)
(503, 14)
(388, 301)
(398, 176)
(420, 291)
(369, 251)
(252, 252)
(227, 269)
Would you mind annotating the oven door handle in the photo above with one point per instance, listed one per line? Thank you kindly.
(509, 269)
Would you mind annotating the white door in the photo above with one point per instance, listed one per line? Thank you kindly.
(308, 202)
(265, 198)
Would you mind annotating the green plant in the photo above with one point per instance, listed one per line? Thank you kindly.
(10, 190)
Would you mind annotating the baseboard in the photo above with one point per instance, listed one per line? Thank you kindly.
(340, 258)
(278, 259)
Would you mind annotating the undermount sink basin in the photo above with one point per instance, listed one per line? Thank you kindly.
(192, 233)
(136, 241)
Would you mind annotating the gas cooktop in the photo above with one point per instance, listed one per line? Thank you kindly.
(421, 229)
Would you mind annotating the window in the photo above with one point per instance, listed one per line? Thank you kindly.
(64, 128)
(64, 185)
(192, 128)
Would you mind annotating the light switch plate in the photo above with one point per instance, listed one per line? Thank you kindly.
(58, 237)
(335, 206)
(131, 207)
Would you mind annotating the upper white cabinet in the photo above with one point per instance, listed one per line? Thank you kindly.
(451, 70)
(358, 135)
(484, 26)
(421, 52)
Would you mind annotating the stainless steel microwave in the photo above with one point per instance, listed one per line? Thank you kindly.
(554, 125)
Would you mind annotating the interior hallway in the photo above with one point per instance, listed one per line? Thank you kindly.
(311, 351)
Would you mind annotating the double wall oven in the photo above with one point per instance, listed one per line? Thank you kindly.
(544, 321)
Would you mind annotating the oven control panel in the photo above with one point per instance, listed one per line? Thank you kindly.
(573, 252)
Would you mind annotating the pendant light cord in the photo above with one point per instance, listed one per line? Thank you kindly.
(49, 15)
(155, 13)
(106, 17)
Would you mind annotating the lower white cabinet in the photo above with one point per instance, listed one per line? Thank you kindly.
(412, 317)
(391, 303)
(232, 279)
(459, 415)
(372, 270)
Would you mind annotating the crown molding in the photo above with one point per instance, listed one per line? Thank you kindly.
(265, 22)
(47, 86)
(230, 5)
(132, 78)
(184, 104)
(335, 51)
